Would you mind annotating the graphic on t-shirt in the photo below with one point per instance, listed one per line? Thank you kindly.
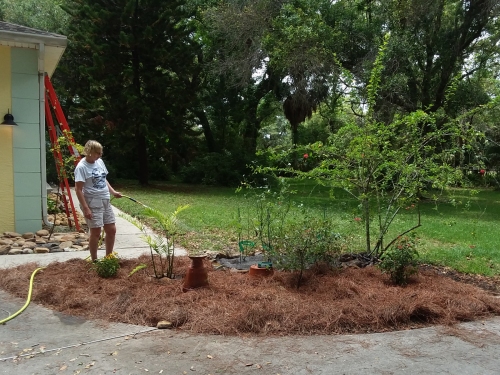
(98, 178)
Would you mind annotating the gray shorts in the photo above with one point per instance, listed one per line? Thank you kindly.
(102, 212)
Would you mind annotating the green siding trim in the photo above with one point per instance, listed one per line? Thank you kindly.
(25, 86)
(26, 160)
(27, 184)
(26, 136)
(26, 140)
(25, 226)
(28, 208)
(26, 111)
(24, 61)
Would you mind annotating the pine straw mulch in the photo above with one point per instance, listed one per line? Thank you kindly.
(327, 302)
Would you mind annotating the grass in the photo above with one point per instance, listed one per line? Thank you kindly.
(458, 232)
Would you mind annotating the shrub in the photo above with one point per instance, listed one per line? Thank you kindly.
(399, 261)
(107, 266)
(305, 241)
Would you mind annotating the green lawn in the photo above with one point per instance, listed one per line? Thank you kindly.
(461, 235)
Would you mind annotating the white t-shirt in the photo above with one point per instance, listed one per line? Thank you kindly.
(94, 178)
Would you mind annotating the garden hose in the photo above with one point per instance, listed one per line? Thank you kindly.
(28, 300)
(134, 200)
(101, 239)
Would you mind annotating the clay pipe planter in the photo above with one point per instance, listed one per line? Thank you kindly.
(256, 271)
(197, 274)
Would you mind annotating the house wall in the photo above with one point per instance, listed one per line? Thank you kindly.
(7, 216)
(26, 140)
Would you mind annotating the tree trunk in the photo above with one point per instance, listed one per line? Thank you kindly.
(142, 150)
(207, 130)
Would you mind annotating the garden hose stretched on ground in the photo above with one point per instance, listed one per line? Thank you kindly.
(28, 300)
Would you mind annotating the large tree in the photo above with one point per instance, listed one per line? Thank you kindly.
(130, 60)
(39, 14)
(434, 43)
(308, 45)
(295, 49)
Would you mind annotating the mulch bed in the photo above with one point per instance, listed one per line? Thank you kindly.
(352, 300)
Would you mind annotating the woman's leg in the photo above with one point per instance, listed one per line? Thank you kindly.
(110, 231)
(95, 235)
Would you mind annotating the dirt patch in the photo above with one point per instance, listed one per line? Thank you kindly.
(353, 300)
(491, 284)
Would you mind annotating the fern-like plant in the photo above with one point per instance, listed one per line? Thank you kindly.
(162, 244)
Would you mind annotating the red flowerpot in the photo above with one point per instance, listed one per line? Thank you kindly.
(197, 274)
(255, 271)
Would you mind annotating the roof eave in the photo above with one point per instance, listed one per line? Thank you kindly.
(59, 41)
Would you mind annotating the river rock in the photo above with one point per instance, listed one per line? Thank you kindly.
(163, 324)
(4, 249)
(29, 245)
(11, 234)
(69, 237)
(65, 244)
(42, 232)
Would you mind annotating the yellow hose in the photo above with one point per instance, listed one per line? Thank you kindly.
(27, 300)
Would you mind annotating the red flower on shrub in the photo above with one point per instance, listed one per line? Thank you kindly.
(482, 172)
(306, 156)
(358, 219)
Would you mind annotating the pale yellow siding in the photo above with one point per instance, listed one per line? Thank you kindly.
(7, 217)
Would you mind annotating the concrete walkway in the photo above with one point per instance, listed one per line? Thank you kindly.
(41, 341)
(128, 244)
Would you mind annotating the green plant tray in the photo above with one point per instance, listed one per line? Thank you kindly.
(265, 265)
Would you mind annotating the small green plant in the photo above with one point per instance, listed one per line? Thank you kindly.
(52, 206)
(162, 245)
(137, 268)
(399, 261)
(267, 213)
(107, 266)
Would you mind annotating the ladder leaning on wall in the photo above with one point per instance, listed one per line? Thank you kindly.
(52, 104)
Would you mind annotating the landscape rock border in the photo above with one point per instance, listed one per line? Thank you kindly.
(42, 242)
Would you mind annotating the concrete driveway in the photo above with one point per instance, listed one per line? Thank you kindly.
(41, 341)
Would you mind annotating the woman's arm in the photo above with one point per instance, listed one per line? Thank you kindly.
(83, 204)
(113, 192)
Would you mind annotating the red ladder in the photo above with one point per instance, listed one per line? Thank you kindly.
(51, 101)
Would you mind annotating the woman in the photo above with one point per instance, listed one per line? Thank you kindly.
(94, 192)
